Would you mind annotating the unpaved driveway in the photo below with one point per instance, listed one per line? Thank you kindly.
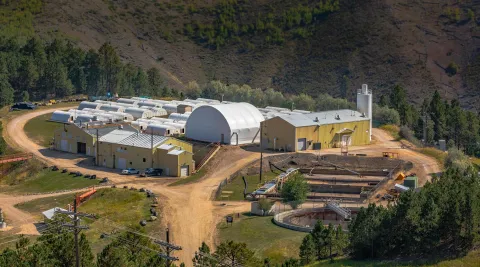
(188, 210)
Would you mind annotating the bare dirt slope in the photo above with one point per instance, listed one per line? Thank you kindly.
(381, 43)
(188, 211)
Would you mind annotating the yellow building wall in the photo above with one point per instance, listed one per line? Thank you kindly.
(328, 137)
(141, 158)
(278, 134)
(73, 134)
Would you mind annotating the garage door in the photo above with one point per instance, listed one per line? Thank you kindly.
(122, 163)
(81, 148)
(184, 171)
(64, 145)
(302, 144)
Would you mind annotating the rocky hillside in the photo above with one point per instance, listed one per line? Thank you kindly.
(294, 46)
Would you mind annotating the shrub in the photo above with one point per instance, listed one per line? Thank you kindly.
(385, 115)
(451, 69)
(457, 159)
(408, 134)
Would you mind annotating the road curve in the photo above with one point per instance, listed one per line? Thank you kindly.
(188, 210)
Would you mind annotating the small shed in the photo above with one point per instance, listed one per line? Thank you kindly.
(411, 182)
(62, 116)
(184, 108)
(49, 214)
(139, 113)
(87, 104)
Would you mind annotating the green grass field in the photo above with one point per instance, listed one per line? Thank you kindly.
(236, 185)
(36, 206)
(264, 237)
(48, 181)
(115, 208)
(40, 130)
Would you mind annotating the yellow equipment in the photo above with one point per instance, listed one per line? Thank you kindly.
(401, 176)
(52, 101)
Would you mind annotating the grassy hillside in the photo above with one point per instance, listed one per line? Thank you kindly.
(301, 46)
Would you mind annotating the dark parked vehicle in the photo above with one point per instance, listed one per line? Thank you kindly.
(151, 172)
(23, 105)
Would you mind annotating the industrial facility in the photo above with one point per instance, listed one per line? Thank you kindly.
(327, 129)
(122, 146)
(212, 121)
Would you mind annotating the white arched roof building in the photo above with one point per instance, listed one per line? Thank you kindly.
(236, 123)
(62, 116)
(87, 104)
(139, 113)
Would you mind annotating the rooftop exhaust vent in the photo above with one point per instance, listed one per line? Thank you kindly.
(316, 119)
(337, 117)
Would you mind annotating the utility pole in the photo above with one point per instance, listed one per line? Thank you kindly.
(169, 247)
(76, 227)
(261, 151)
(151, 145)
(96, 146)
(425, 129)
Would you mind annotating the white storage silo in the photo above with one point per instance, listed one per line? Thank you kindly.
(364, 104)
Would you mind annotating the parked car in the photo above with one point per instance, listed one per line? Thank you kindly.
(23, 105)
(130, 171)
(151, 172)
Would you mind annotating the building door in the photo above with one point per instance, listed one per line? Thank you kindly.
(302, 144)
(222, 139)
(346, 140)
(81, 148)
(184, 171)
(88, 151)
(122, 163)
(64, 145)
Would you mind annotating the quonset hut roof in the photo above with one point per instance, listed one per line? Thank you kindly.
(236, 123)
(62, 116)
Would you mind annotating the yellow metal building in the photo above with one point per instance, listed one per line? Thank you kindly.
(328, 129)
(122, 149)
(126, 148)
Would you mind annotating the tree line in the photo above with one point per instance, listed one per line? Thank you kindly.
(439, 119)
(40, 70)
(230, 23)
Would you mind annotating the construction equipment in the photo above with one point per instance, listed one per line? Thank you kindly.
(391, 155)
(400, 176)
(52, 101)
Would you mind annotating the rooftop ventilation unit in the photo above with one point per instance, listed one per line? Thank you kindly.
(337, 117)
(316, 119)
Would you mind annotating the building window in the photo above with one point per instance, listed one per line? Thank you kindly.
(130, 163)
(144, 160)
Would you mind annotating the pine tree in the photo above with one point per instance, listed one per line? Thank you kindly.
(307, 250)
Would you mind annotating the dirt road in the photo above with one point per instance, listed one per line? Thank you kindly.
(22, 218)
(190, 214)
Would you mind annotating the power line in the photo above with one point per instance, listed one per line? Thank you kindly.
(76, 227)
